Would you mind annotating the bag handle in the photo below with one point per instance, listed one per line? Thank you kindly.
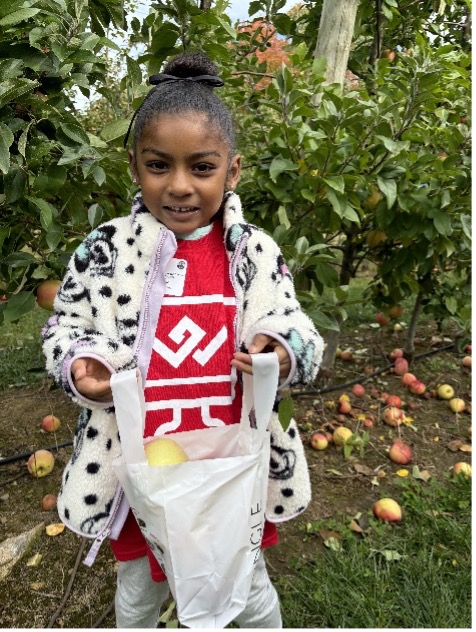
(259, 392)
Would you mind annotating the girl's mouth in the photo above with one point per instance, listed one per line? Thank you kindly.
(182, 210)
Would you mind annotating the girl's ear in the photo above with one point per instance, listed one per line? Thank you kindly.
(233, 175)
(132, 164)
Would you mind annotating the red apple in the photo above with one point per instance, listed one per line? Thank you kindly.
(368, 370)
(346, 356)
(381, 319)
(466, 361)
(319, 441)
(401, 366)
(393, 416)
(341, 435)
(46, 293)
(395, 311)
(344, 407)
(408, 378)
(457, 404)
(462, 468)
(358, 390)
(48, 502)
(417, 387)
(396, 353)
(400, 452)
(375, 393)
(387, 509)
(394, 400)
(41, 463)
(368, 423)
(468, 349)
(50, 423)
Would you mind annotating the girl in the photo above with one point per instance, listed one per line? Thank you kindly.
(185, 290)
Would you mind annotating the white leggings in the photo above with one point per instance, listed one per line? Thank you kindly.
(139, 599)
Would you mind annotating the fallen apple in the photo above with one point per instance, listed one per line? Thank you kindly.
(50, 423)
(41, 463)
(408, 378)
(398, 327)
(382, 319)
(388, 510)
(393, 416)
(394, 400)
(400, 452)
(341, 435)
(417, 387)
(346, 356)
(457, 404)
(46, 293)
(344, 407)
(48, 502)
(401, 366)
(319, 441)
(462, 468)
(358, 390)
(396, 353)
(395, 311)
(164, 451)
(445, 391)
(467, 362)
(468, 349)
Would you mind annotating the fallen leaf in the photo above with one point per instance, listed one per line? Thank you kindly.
(465, 448)
(403, 472)
(423, 475)
(37, 585)
(55, 528)
(363, 469)
(455, 445)
(333, 544)
(390, 556)
(34, 560)
(13, 549)
(336, 472)
(374, 481)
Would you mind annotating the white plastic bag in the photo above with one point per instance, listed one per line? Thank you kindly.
(203, 518)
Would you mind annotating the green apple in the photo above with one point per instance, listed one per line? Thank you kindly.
(41, 463)
(445, 391)
(341, 435)
(164, 451)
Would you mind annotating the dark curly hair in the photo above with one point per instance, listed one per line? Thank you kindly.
(178, 97)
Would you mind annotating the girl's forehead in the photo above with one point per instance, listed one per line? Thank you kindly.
(196, 125)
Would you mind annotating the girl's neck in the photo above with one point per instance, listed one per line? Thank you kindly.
(196, 234)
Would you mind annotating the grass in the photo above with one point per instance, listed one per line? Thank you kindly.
(20, 351)
(416, 574)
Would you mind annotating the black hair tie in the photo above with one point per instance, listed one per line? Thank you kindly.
(209, 80)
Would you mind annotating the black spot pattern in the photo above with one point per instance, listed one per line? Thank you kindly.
(123, 299)
(92, 468)
(105, 291)
(90, 499)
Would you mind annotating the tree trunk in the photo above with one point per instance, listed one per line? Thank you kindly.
(409, 348)
(334, 38)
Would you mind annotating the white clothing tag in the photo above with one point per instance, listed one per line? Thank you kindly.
(175, 277)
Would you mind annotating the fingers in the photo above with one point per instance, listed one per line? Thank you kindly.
(92, 379)
(262, 342)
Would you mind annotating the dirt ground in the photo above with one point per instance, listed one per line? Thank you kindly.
(33, 596)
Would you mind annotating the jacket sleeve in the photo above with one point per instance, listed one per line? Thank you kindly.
(271, 307)
(83, 324)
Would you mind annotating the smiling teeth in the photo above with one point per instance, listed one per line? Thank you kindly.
(182, 210)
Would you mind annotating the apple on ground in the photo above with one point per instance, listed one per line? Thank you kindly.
(396, 353)
(48, 502)
(388, 510)
(164, 451)
(417, 387)
(382, 319)
(467, 362)
(401, 366)
(393, 416)
(468, 349)
(398, 327)
(358, 390)
(457, 404)
(462, 468)
(445, 391)
(319, 441)
(46, 293)
(368, 423)
(346, 356)
(374, 393)
(400, 452)
(50, 423)
(41, 463)
(341, 435)
(344, 407)
(393, 400)
(408, 378)
(338, 352)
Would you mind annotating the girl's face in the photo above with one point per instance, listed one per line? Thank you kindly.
(183, 168)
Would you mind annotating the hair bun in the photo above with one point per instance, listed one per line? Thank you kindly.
(190, 64)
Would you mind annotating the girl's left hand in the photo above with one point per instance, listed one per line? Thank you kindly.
(262, 344)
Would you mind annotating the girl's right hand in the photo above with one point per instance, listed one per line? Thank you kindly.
(92, 379)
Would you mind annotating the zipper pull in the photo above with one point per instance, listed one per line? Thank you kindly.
(96, 545)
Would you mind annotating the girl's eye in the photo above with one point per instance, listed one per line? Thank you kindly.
(158, 165)
(203, 168)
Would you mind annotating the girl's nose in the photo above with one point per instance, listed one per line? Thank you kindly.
(179, 184)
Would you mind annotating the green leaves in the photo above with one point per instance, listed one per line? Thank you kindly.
(285, 412)
(6, 139)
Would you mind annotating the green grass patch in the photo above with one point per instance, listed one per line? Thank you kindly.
(416, 574)
(22, 361)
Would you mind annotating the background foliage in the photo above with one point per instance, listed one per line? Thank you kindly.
(374, 174)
